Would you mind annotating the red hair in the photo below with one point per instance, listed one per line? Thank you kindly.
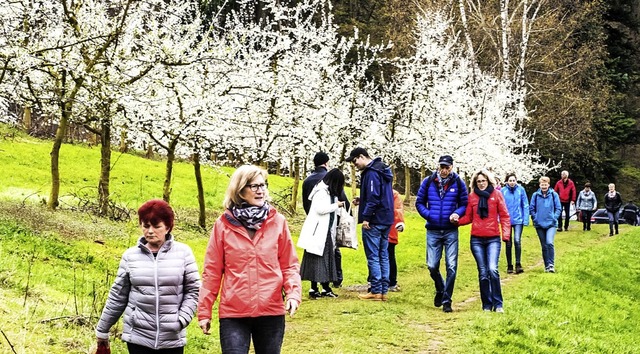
(156, 211)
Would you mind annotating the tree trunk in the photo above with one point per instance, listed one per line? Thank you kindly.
(201, 206)
(105, 167)
(354, 185)
(123, 142)
(407, 185)
(149, 153)
(423, 173)
(26, 119)
(55, 158)
(296, 182)
(171, 156)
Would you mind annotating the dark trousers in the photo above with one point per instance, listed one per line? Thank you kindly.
(586, 219)
(338, 266)
(267, 333)
(138, 349)
(393, 267)
(567, 209)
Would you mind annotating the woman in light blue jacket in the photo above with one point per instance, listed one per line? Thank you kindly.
(545, 210)
(587, 204)
(518, 205)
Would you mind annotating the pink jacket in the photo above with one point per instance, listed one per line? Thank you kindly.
(250, 275)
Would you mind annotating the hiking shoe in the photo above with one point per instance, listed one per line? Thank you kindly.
(437, 301)
(447, 307)
(328, 294)
(385, 297)
(519, 268)
(499, 310)
(314, 294)
(559, 230)
(370, 296)
(394, 288)
(510, 269)
(337, 284)
(551, 269)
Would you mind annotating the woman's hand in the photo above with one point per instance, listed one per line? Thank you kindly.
(205, 325)
(292, 306)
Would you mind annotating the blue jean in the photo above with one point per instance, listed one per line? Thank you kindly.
(486, 251)
(376, 242)
(267, 333)
(613, 221)
(516, 237)
(546, 237)
(436, 241)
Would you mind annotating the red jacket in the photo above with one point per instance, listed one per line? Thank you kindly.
(251, 273)
(566, 193)
(495, 224)
(398, 217)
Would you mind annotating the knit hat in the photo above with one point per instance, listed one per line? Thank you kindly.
(320, 159)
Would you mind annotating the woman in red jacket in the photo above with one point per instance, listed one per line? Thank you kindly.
(489, 218)
(250, 261)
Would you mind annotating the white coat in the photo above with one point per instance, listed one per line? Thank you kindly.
(316, 226)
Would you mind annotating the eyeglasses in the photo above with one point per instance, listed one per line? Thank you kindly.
(445, 167)
(481, 180)
(254, 187)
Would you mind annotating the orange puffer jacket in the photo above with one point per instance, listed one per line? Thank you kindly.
(250, 275)
(495, 224)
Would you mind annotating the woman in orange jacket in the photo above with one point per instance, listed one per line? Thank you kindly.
(489, 218)
(398, 226)
(250, 262)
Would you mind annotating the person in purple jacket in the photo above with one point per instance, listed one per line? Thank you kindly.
(441, 201)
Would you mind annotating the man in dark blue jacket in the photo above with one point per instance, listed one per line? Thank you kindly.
(321, 163)
(376, 216)
(441, 201)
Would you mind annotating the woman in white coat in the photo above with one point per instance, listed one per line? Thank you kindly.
(318, 235)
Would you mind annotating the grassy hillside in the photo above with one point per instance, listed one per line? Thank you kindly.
(54, 277)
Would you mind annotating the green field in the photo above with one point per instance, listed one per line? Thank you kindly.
(54, 276)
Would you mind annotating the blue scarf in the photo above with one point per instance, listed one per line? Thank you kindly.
(483, 203)
(251, 216)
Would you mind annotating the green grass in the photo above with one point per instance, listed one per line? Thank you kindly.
(54, 277)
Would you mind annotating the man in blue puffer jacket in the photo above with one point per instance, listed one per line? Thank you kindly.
(376, 216)
(441, 201)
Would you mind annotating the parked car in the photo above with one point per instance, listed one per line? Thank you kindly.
(601, 217)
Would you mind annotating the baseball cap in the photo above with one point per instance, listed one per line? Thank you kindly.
(357, 152)
(445, 160)
(320, 158)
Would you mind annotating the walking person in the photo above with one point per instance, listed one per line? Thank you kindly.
(318, 235)
(489, 218)
(252, 264)
(566, 190)
(398, 226)
(321, 163)
(156, 288)
(376, 215)
(613, 203)
(518, 205)
(586, 204)
(442, 198)
(545, 209)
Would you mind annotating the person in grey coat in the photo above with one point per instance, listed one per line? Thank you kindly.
(587, 203)
(156, 288)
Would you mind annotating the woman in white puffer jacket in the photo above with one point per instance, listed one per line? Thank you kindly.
(156, 288)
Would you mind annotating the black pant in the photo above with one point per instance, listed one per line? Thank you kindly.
(138, 349)
(586, 219)
(267, 333)
(338, 266)
(567, 209)
(393, 267)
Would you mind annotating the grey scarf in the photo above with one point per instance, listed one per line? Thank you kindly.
(251, 216)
